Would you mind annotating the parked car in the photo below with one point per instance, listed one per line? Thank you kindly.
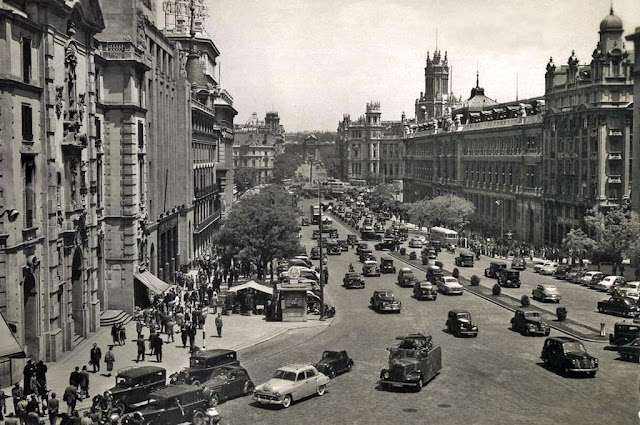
(588, 276)
(425, 291)
(509, 278)
(609, 283)
(406, 278)
(494, 268)
(623, 306)
(434, 274)
(174, 404)
(202, 363)
(626, 288)
(624, 332)
(568, 355)
(459, 323)
(333, 363)
(428, 253)
(333, 233)
(291, 383)
(387, 266)
(548, 269)
(228, 382)
(353, 280)
(562, 271)
(415, 243)
(449, 285)
(464, 258)
(370, 268)
(133, 385)
(576, 275)
(593, 284)
(544, 293)
(518, 263)
(529, 322)
(383, 300)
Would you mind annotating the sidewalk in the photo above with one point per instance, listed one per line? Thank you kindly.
(238, 332)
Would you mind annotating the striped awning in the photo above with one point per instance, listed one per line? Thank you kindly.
(155, 285)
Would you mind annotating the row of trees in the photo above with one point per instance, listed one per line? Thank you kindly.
(450, 211)
(260, 228)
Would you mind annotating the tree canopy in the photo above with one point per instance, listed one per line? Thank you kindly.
(383, 196)
(578, 244)
(450, 211)
(261, 227)
(245, 178)
(285, 165)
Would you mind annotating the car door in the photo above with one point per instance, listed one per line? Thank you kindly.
(300, 388)
(341, 364)
(556, 356)
(311, 381)
(236, 383)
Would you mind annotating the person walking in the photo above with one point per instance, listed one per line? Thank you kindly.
(3, 405)
(159, 343)
(54, 409)
(139, 327)
(21, 409)
(95, 356)
(170, 330)
(74, 377)
(192, 336)
(16, 393)
(70, 397)
(28, 371)
(141, 348)
(41, 376)
(109, 359)
(184, 334)
(84, 383)
(115, 334)
(152, 341)
(218, 323)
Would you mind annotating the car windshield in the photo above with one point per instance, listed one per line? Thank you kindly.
(330, 355)
(532, 315)
(196, 362)
(386, 294)
(464, 316)
(123, 381)
(450, 280)
(284, 375)
(551, 289)
(574, 347)
(219, 373)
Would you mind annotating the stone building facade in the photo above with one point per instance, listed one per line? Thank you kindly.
(432, 103)
(51, 254)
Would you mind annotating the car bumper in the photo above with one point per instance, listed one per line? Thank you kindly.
(468, 332)
(427, 296)
(538, 331)
(583, 369)
(267, 399)
(397, 384)
(454, 291)
(355, 286)
(393, 308)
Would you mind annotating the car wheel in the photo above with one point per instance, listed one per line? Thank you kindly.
(600, 309)
(321, 390)
(214, 400)
(198, 418)
(419, 385)
(248, 387)
(592, 374)
(195, 382)
(119, 408)
(287, 401)
(349, 367)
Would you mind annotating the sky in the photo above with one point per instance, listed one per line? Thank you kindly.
(314, 60)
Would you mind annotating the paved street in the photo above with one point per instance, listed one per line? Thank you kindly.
(500, 368)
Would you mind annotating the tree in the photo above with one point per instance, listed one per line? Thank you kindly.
(244, 178)
(285, 166)
(450, 211)
(383, 196)
(578, 244)
(329, 156)
(262, 227)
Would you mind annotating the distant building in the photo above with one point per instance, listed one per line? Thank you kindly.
(256, 143)
(433, 102)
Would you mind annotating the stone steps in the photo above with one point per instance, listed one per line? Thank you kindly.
(112, 317)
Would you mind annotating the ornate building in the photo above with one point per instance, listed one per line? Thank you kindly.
(587, 132)
(50, 238)
(434, 100)
(635, 146)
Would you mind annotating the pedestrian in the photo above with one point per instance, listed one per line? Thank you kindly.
(141, 348)
(184, 335)
(139, 327)
(16, 393)
(11, 419)
(86, 420)
(33, 384)
(159, 343)
(74, 378)
(41, 376)
(28, 371)
(33, 410)
(70, 397)
(54, 409)
(152, 341)
(218, 322)
(170, 330)
(21, 409)
(115, 334)
(192, 336)
(84, 383)
(109, 359)
(3, 405)
(95, 357)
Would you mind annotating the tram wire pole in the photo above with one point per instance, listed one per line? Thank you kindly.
(321, 255)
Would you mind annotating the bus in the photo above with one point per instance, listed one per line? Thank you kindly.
(314, 214)
(446, 237)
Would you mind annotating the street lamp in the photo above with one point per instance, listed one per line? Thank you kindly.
(320, 245)
(499, 203)
(11, 213)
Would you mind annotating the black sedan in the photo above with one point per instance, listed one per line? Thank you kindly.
(228, 382)
(334, 362)
(623, 306)
(630, 351)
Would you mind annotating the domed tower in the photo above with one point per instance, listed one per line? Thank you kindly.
(434, 100)
(610, 32)
(610, 53)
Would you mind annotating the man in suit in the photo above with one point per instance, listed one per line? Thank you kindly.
(95, 356)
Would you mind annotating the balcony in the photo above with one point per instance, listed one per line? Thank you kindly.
(614, 179)
(615, 156)
(206, 191)
(207, 222)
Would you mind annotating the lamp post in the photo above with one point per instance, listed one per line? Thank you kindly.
(11, 213)
(320, 246)
(500, 204)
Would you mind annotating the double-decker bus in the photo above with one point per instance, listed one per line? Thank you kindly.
(447, 237)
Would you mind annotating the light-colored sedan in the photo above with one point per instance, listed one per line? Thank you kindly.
(609, 283)
(415, 243)
(291, 383)
(544, 293)
(588, 277)
(548, 269)
(449, 285)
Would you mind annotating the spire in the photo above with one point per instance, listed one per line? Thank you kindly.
(437, 35)
(611, 9)
(477, 78)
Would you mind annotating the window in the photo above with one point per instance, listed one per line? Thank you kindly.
(29, 193)
(99, 181)
(27, 123)
(26, 60)
(98, 124)
(310, 373)
(140, 135)
(300, 377)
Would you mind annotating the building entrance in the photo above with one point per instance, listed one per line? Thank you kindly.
(77, 293)
(30, 311)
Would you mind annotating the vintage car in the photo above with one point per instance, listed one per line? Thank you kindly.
(593, 284)
(173, 404)
(315, 252)
(387, 244)
(529, 322)
(623, 306)
(333, 233)
(366, 254)
(133, 385)
(549, 269)
(518, 263)
(353, 280)
(568, 355)
(629, 351)
(383, 300)
(361, 246)
(494, 269)
(539, 265)
(333, 363)
(589, 276)
(449, 285)
(562, 271)
(291, 383)
(343, 244)
(226, 383)
(316, 234)
(415, 243)
(509, 278)
(575, 275)
(464, 258)
(609, 283)
(544, 293)
(624, 332)
(459, 323)
(428, 253)
(333, 248)
(370, 268)
(379, 228)
(367, 234)
(306, 222)
(202, 363)
(304, 258)
(627, 289)
(434, 274)
(386, 265)
(406, 278)
(413, 363)
(352, 240)
(436, 244)
(425, 291)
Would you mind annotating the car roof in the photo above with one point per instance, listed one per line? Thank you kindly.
(370, 262)
(562, 339)
(377, 291)
(174, 390)
(502, 263)
(512, 270)
(295, 367)
(458, 311)
(405, 269)
(136, 372)
(433, 268)
(214, 352)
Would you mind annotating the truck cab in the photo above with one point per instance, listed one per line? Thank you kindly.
(412, 364)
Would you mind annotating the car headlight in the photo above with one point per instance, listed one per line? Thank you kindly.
(575, 362)
(386, 375)
(595, 361)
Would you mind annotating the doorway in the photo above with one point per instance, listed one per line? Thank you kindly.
(77, 292)
(30, 311)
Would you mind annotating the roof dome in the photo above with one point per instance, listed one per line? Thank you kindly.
(611, 22)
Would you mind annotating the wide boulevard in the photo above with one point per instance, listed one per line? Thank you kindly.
(496, 378)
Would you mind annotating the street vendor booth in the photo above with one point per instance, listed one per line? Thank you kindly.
(293, 298)
(255, 296)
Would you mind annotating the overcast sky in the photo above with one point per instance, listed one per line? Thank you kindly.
(314, 60)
